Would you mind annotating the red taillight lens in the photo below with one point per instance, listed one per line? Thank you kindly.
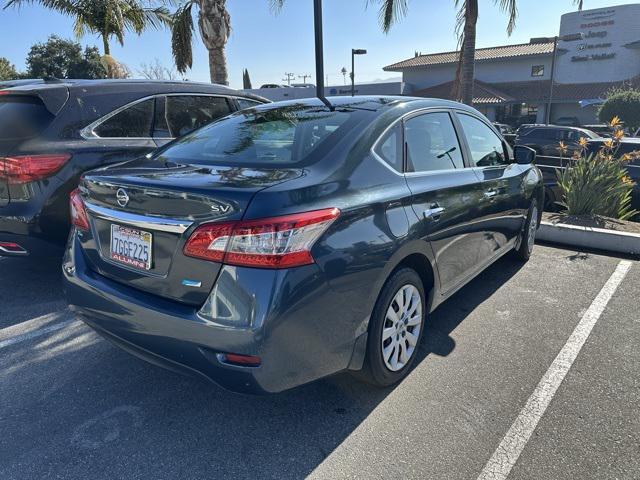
(279, 242)
(29, 168)
(79, 217)
(242, 360)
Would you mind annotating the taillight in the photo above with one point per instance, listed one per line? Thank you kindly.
(278, 242)
(79, 217)
(29, 168)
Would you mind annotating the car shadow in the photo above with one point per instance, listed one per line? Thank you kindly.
(72, 397)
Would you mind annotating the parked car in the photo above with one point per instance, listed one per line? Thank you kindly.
(292, 241)
(567, 121)
(274, 85)
(601, 129)
(553, 193)
(503, 128)
(52, 131)
(545, 139)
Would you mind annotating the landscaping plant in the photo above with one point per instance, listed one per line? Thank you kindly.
(597, 184)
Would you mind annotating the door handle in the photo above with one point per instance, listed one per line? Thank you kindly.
(433, 213)
(490, 193)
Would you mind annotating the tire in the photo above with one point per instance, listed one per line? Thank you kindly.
(385, 370)
(528, 235)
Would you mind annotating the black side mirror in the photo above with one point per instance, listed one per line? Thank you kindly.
(524, 155)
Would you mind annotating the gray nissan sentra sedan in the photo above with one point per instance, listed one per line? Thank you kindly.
(294, 240)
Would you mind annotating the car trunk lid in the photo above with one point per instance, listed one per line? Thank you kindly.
(167, 202)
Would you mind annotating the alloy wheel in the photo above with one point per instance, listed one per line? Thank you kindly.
(401, 328)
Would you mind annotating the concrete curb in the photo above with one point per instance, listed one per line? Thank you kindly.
(589, 237)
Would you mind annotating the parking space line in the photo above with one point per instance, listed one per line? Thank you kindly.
(35, 333)
(516, 438)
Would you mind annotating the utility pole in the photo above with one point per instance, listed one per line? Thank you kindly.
(289, 77)
(304, 77)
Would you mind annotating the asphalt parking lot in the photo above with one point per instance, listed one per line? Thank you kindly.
(73, 406)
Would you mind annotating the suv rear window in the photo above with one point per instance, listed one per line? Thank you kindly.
(264, 137)
(22, 116)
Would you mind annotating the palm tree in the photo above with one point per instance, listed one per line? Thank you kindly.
(107, 18)
(214, 23)
(392, 10)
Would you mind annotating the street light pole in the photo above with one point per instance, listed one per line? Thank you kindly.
(317, 24)
(354, 52)
(547, 113)
(565, 38)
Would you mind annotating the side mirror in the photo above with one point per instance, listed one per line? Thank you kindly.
(524, 155)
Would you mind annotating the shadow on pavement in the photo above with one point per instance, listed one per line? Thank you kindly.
(76, 407)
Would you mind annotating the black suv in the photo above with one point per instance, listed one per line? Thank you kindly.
(53, 131)
(545, 139)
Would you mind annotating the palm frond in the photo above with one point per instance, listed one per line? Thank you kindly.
(390, 12)
(181, 37)
(510, 7)
(276, 6)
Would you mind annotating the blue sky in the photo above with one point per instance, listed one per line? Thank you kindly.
(270, 45)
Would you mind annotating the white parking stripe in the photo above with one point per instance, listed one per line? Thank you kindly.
(511, 446)
(35, 333)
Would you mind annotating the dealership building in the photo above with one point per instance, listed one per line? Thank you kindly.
(595, 51)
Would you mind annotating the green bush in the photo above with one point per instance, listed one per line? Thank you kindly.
(624, 104)
(597, 184)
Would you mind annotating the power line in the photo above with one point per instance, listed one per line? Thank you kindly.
(289, 76)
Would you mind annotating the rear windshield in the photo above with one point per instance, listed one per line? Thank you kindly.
(283, 136)
(22, 116)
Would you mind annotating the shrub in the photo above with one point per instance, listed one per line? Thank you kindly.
(598, 184)
(624, 104)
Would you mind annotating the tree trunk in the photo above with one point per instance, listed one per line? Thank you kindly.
(215, 24)
(468, 52)
(105, 43)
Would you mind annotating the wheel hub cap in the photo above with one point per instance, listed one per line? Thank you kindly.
(401, 328)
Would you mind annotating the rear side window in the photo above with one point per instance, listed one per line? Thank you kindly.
(485, 146)
(132, 122)
(389, 147)
(246, 103)
(432, 143)
(265, 137)
(22, 116)
(185, 113)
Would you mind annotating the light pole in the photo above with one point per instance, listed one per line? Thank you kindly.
(565, 38)
(354, 52)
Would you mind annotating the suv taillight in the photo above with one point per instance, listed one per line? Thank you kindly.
(279, 242)
(29, 168)
(79, 218)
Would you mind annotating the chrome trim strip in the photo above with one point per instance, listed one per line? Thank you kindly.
(14, 252)
(141, 221)
(88, 132)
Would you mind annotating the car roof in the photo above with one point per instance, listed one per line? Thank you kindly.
(630, 140)
(133, 85)
(375, 103)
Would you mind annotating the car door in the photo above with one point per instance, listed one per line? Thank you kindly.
(502, 203)
(445, 194)
(176, 115)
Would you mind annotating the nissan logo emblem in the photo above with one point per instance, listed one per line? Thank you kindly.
(122, 197)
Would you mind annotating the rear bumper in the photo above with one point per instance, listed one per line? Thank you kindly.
(292, 326)
(20, 224)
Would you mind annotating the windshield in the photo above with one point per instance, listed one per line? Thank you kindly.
(283, 136)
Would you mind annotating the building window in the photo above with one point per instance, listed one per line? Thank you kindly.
(537, 71)
(532, 109)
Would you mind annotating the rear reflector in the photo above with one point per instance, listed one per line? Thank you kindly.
(242, 360)
(79, 218)
(279, 242)
(29, 168)
(11, 247)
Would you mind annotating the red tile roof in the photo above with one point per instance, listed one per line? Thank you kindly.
(534, 91)
(492, 53)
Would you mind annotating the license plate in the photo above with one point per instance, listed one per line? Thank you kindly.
(131, 247)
